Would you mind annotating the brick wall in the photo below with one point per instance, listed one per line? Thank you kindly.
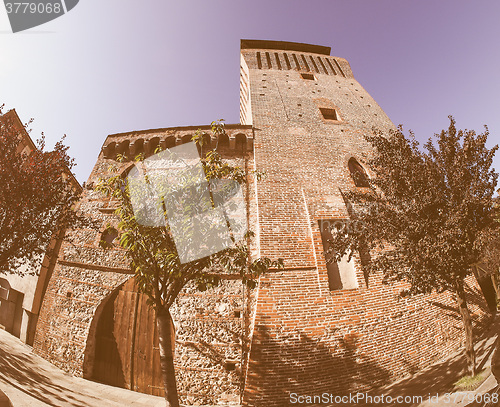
(306, 338)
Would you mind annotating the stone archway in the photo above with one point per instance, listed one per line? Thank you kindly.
(126, 352)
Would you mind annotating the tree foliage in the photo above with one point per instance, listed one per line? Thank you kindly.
(427, 212)
(37, 196)
(154, 258)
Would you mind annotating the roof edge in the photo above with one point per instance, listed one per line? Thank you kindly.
(180, 128)
(285, 46)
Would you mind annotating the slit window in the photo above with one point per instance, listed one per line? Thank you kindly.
(314, 64)
(331, 66)
(268, 57)
(329, 114)
(358, 173)
(341, 274)
(323, 65)
(288, 66)
(305, 62)
(278, 62)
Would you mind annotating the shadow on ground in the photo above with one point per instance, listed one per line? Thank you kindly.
(440, 377)
(19, 371)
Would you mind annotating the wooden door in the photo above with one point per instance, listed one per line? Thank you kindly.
(127, 353)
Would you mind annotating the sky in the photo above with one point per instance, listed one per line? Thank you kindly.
(111, 66)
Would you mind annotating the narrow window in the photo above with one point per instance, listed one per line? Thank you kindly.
(341, 274)
(339, 68)
(297, 65)
(288, 66)
(323, 65)
(331, 66)
(268, 57)
(329, 114)
(308, 76)
(305, 62)
(278, 60)
(358, 173)
(314, 64)
(259, 61)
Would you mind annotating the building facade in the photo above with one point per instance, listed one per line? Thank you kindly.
(22, 291)
(315, 326)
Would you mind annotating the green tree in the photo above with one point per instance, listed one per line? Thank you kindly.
(426, 213)
(38, 195)
(155, 260)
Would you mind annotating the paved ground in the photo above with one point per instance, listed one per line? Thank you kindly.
(29, 380)
(435, 384)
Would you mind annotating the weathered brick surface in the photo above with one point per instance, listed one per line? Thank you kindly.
(306, 338)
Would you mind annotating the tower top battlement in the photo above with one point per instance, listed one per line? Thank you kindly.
(285, 46)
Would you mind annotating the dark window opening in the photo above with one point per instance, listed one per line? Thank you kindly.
(278, 60)
(288, 66)
(358, 173)
(331, 66)
(323, 65)
(305, 62)
(314, 64)
(268, 57)
(308, 76)
(329, 114)
(341, 274)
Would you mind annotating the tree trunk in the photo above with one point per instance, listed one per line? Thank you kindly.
(166, 339)
(466, 318)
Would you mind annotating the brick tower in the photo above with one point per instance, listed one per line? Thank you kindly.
(321, 327)
(315, 326)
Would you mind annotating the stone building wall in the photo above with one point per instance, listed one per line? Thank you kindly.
(211, 327)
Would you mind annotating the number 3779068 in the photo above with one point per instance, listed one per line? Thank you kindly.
(34, 8)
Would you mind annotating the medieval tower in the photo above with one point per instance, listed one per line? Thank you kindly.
(313, 327)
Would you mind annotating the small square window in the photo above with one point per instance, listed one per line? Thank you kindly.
(308, 76)
(329, 114)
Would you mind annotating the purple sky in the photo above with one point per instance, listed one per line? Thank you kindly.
(113, 66)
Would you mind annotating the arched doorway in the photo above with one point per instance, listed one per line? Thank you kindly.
(126, 343)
